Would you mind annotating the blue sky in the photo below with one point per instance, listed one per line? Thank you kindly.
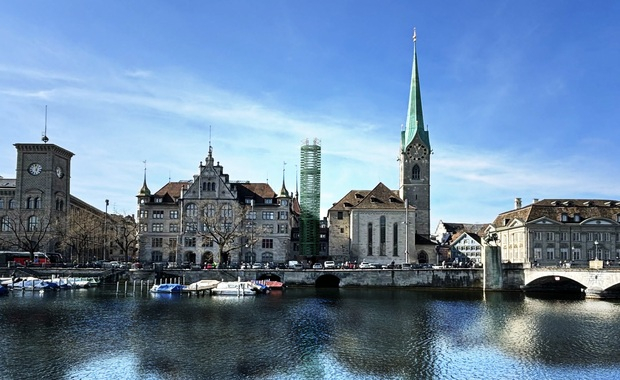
(521, 98)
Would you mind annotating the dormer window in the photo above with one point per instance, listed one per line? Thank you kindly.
(577, 217)
(268, 201)
(564, 217)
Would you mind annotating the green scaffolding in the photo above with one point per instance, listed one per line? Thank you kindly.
(310, 198)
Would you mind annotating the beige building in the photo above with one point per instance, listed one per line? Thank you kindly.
(551, 231)
(371, 226)
(195, 221)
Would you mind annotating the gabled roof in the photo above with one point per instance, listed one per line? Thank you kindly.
(258, 191)
(462, 235)
(573, 211)
(378, 198)
(172, 189)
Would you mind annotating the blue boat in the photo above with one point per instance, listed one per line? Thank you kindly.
(167, 288)
(35, 284)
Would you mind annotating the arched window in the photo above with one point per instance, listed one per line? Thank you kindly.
(29, 202)
(37, 202)
(369, 239)
(190, 210)
(382, 235)
(33, 223)
(227, 211)
(204, 186)
(415, 172)
(209, 211)
(12, 204)
(395, 239)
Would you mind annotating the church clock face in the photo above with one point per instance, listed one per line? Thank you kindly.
(417, 151)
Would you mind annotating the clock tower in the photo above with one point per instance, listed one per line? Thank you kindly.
(43, 178)
(415, 151)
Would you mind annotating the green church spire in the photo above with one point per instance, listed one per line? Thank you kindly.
(415, 118)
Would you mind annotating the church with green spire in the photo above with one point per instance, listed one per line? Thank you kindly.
(384, 226)
(415, 152)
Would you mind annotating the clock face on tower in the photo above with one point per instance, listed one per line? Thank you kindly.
(35, 169)
(417, 151)
(59, 172)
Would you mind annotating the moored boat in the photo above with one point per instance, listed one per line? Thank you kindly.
(168, 288)
(35, 284)
(236, 288)
(202, 285)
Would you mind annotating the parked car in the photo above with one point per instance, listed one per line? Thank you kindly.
(281, 266)
(317, 266)
(365, 265)
(257, 266)
(329, 264)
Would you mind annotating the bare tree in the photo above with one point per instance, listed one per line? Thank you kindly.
(124, 234)
(28, 230)
(83, 234)
(224, 225)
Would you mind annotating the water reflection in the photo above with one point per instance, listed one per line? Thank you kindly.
(307, 333)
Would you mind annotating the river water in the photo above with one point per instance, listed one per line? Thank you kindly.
(307, 333)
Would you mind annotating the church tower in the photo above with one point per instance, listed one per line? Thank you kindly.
(415, 150)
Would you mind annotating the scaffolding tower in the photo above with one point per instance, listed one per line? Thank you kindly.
(310, 198)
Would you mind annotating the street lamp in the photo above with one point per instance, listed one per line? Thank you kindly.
(105, 229)
(596, 250)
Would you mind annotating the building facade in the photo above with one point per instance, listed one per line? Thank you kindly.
(211, 219)
(373, 226)
(36, 204)
(553, 231)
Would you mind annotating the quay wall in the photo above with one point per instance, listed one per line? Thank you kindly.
(434, 278)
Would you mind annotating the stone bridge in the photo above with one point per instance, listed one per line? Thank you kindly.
(595, 283)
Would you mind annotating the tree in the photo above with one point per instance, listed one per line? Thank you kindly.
(124, 234)
(224, 224)
(28, 230)
(83, 234)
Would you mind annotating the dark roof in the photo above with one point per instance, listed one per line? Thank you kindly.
(475, 228)
(257, 191)
(555, 208)
(378, 198)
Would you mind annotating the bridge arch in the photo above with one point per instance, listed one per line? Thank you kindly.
(327, 281)
(269, 276)
(554, 283)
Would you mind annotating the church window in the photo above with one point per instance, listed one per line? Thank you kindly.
(11, 204)
(415, 172)
(204, 186)
(369, 239)
(395, 240)
(382, 235)
(28, 202)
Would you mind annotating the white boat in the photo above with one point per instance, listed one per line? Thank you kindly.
(202, 285)
(83, 282)
(235, 288)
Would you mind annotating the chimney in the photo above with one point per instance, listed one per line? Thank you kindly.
(534, 200)
(517, 203)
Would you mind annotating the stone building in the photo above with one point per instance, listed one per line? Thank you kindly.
(370, 225)
(211, 219)
(551, 231)
(39, 198)
(382, 225)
